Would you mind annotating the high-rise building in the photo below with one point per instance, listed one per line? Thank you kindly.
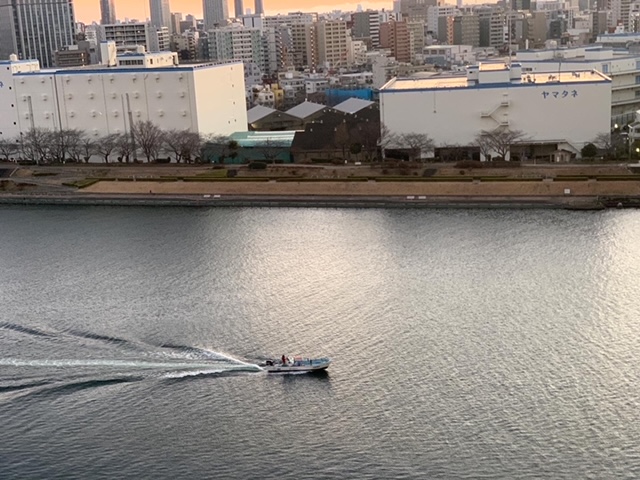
(416, 10)
(129, 34)
(160, 13)
(238, 8)
(396, 37)
(259, 7)
(334, 43)
(367, 25)
(34, 29)
(466, 30)
(236, 42)
(216, 13)
(107, 12)
(491, 20)
(176, 20)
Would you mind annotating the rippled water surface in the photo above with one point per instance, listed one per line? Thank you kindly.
(466, 344)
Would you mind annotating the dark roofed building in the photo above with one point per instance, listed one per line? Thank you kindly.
(307, 111)
(262, 118)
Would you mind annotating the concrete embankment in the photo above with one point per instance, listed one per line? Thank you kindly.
(327, 201)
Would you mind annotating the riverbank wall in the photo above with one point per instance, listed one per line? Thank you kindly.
(325, 201)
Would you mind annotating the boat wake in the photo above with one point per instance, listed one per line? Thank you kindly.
(104, 361)
(125, 364)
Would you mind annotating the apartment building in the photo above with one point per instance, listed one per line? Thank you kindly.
(334, 43)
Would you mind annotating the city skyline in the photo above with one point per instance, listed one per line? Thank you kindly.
(88, 11)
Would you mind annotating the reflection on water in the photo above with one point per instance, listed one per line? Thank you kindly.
(500, 344)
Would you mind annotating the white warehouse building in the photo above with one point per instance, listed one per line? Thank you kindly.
(564, 110)
(102, 100)
(621, 65)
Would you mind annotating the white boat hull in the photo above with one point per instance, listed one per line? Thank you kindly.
(302, 366)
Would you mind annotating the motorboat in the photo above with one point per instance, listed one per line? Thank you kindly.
(296, 364)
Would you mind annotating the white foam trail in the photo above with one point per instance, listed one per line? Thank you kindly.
(193, 373)
(14, 362)
(233, 359)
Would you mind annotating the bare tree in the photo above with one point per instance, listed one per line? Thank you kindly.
(35, 145)
(108, 144)
(216, 147)
(368, 135)
(149, 137)
(271, 149)
(415, 144)
(388, 139)
(124, 147)
(342, 139)
(183, 144)
(74, 144)
(499, 141)
(484, 143)
(64, 144)
(192, 147)
(609, 144)
(88, 147)
(173, 142)
(8, 148)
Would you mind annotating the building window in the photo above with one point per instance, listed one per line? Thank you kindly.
(605, 68)
(637, 93)
(637, 79)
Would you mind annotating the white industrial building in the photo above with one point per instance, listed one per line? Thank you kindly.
(102, 100)
(564, 110)
(620, 64)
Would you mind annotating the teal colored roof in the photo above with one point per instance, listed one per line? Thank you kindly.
(256, 139)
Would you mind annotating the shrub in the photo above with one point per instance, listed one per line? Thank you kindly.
(217, 173)
(257, 166)
(589, 150)
(500, 163)
(466, 164)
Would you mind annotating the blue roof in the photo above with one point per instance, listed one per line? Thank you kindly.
(259, 139)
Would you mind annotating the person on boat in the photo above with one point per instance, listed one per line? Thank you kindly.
(284, 360)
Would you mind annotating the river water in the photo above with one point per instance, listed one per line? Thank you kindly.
(465, 343)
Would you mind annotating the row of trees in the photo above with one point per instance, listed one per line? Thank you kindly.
(151, 143)
(498, 143)
(147, 141)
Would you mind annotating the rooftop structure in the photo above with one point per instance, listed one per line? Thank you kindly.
(352, 105)
(306, 109)
(490, 74)
(258, 113)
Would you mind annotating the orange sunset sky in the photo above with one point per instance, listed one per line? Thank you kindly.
(89, 10)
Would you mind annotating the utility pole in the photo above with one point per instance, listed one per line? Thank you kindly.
(131, 131)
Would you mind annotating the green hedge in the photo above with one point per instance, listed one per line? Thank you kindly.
(572, 178)
(87, 182)
(225, 179)
(218, 173)
(346, 179)
(632, 178)
(426, 179)
(505, 180)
